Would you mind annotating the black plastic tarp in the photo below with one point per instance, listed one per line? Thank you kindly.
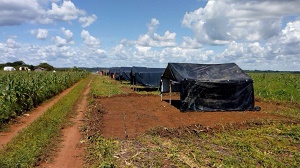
(210, 87)
(125, 73)
(144, 76)
(113, 72)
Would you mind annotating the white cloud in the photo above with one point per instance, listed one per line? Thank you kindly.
(288, 41)
(89, 40)
(87, 20)
(15, 12)
(66, 12)
(68, 34)
(153, 25)
(59, 42)
(223, 21)
(152, 39)
(40, 33)
(190, 43)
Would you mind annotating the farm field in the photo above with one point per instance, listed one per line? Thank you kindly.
(122, 128)
(22, 91)
(138, 130)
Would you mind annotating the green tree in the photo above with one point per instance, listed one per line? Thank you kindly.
(46, 66)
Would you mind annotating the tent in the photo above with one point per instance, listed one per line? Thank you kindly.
(125, 73)
(144, 76)
(209, 87)
(112, 72)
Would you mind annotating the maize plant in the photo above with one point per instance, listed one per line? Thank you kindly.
(21, 91)
(283, 87)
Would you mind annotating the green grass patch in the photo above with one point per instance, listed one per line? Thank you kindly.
(104, 86)
(101, 152)
(35, 141)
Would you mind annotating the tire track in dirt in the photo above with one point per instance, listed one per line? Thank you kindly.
(71, 152)
(28, 118)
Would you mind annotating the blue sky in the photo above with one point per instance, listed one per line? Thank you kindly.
(263, 35)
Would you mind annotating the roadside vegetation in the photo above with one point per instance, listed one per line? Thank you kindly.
(21, 91)
(35, 143)
(262, 143)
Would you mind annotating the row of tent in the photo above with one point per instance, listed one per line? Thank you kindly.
(202, 87)
(148, 77)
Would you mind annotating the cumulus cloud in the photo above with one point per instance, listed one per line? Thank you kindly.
(89, 40)
(87, 20)
(66, 12)
(41, 34)
(152, 39)
(68, 34)
(15, 12)
(153, 25)
(11, 43)
(288, 41)
(221, 22)
(190, 43)
(59, 42)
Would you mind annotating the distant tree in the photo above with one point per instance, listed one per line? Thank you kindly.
(76, 69)
(16, 63)
(46, 66)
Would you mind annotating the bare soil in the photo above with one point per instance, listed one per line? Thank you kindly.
(127, 116)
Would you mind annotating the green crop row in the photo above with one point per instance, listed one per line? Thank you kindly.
(35, 142)
(283, 87)
(22, 91)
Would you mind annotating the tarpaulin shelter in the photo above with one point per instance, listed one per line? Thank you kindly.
(144, 76)
(113, 72)
(209, 87)
(125, 73)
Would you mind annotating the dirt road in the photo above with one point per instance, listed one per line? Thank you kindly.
(72, 150)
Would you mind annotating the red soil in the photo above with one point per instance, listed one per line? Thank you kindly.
(132, 115)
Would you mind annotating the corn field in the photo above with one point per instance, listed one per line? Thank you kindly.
(283, 87)
(22, 91)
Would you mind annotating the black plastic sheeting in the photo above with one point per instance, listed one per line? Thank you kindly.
(210, 87)
(149, 77)
(113, 72)
(124, 73)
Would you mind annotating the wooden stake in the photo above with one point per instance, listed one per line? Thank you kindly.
(170, 92)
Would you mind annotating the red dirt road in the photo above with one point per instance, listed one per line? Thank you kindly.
(72, 152)
(132, 115)
(25, 120)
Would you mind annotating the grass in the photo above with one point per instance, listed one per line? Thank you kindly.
(104, 86)
(264, 143)
(279, 87)
(36, 141)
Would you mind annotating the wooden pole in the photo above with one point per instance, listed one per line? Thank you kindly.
(161, 89)
(170, 92)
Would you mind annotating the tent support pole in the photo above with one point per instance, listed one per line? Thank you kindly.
(170, 93)
(161, 89)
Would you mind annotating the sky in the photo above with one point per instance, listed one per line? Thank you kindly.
(256, 35)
